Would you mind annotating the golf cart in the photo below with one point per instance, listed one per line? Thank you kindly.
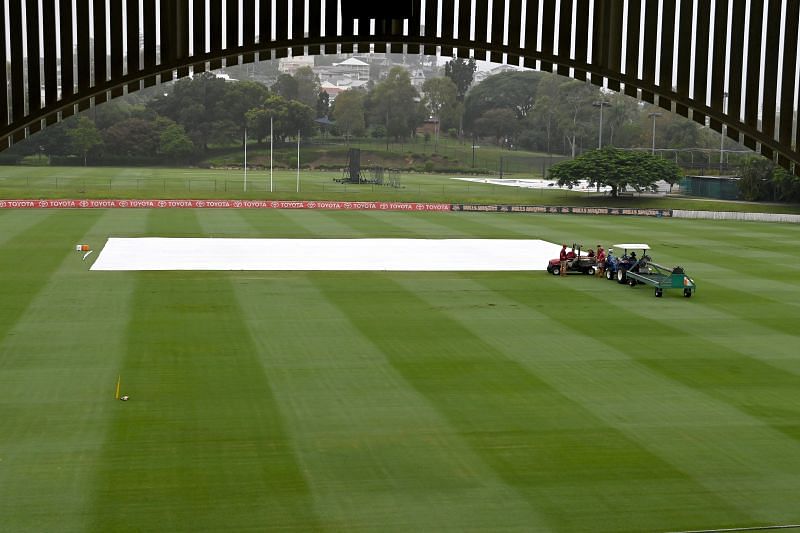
(617, 267)
(582, 264)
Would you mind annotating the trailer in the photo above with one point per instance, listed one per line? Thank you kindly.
(661, 278)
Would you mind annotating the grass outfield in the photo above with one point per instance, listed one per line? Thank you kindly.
(396, 401)
(19, 182)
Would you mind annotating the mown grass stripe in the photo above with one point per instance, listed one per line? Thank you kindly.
(552, 450)
(202, 440)
(32, 255)
(711, 384)
(55, 389)
(378, 456)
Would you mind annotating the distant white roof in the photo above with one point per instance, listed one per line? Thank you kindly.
(353, 62)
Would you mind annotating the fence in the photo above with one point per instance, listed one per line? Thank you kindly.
(729, 215)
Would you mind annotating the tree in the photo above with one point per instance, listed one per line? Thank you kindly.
(288, 117)
(199, 105)
(498, 123)
(756, 173)
(174, 143)
(546, 100)
(615, 168)
(285, 86)
(574, 111)
(439, 96)
(621, 122)
(461, 73)
(510, 90)
(84, 137)
(349, 113)
(323, 104)
(239, 98)
(132, 137)
(786, 186)
(299, 119)
(393, 103)
(307, 87)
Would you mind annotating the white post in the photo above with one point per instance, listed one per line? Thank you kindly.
(600, 135)
(245, 160)
(270, 154)
(298, 160)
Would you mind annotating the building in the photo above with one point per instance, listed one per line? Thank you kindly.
(290, 65)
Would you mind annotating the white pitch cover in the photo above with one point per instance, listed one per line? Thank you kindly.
(156, 253)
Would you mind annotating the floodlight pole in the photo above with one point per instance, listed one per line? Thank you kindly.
(722, 134)
(298, 160)
(245, 160)
(270, 154)
(601, 104)
(654, 116)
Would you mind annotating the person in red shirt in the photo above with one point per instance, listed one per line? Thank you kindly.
(601, 260)
(571, 254)
(563, 258)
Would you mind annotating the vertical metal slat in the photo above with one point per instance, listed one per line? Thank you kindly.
(667, 47)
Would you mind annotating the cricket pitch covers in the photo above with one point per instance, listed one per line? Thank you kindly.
(153, 253)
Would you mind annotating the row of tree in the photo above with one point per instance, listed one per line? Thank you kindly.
(533, 110)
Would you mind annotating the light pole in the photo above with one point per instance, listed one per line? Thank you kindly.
(601, 104)
(654, 116)
(473, 151)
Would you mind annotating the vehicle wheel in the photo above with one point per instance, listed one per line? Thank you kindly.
(632, 283)
(620, 276)
(609, 275)
(659, 292)
(687, 293)
(555, 271)
(590, 271)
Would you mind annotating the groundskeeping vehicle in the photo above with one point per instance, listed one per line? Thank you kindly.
(640, 270)
(624, 258)
(582, 264)
(661, 278)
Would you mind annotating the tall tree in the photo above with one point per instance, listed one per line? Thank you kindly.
(439, 96)
(323, 104)
(575, 114)
(511, 90)
(84, 137)
(393, 104)
(199, 105)
(461, 73)
(285, 86)
(307, 86)
(240, 97)
(288, 117)
(348, 112)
